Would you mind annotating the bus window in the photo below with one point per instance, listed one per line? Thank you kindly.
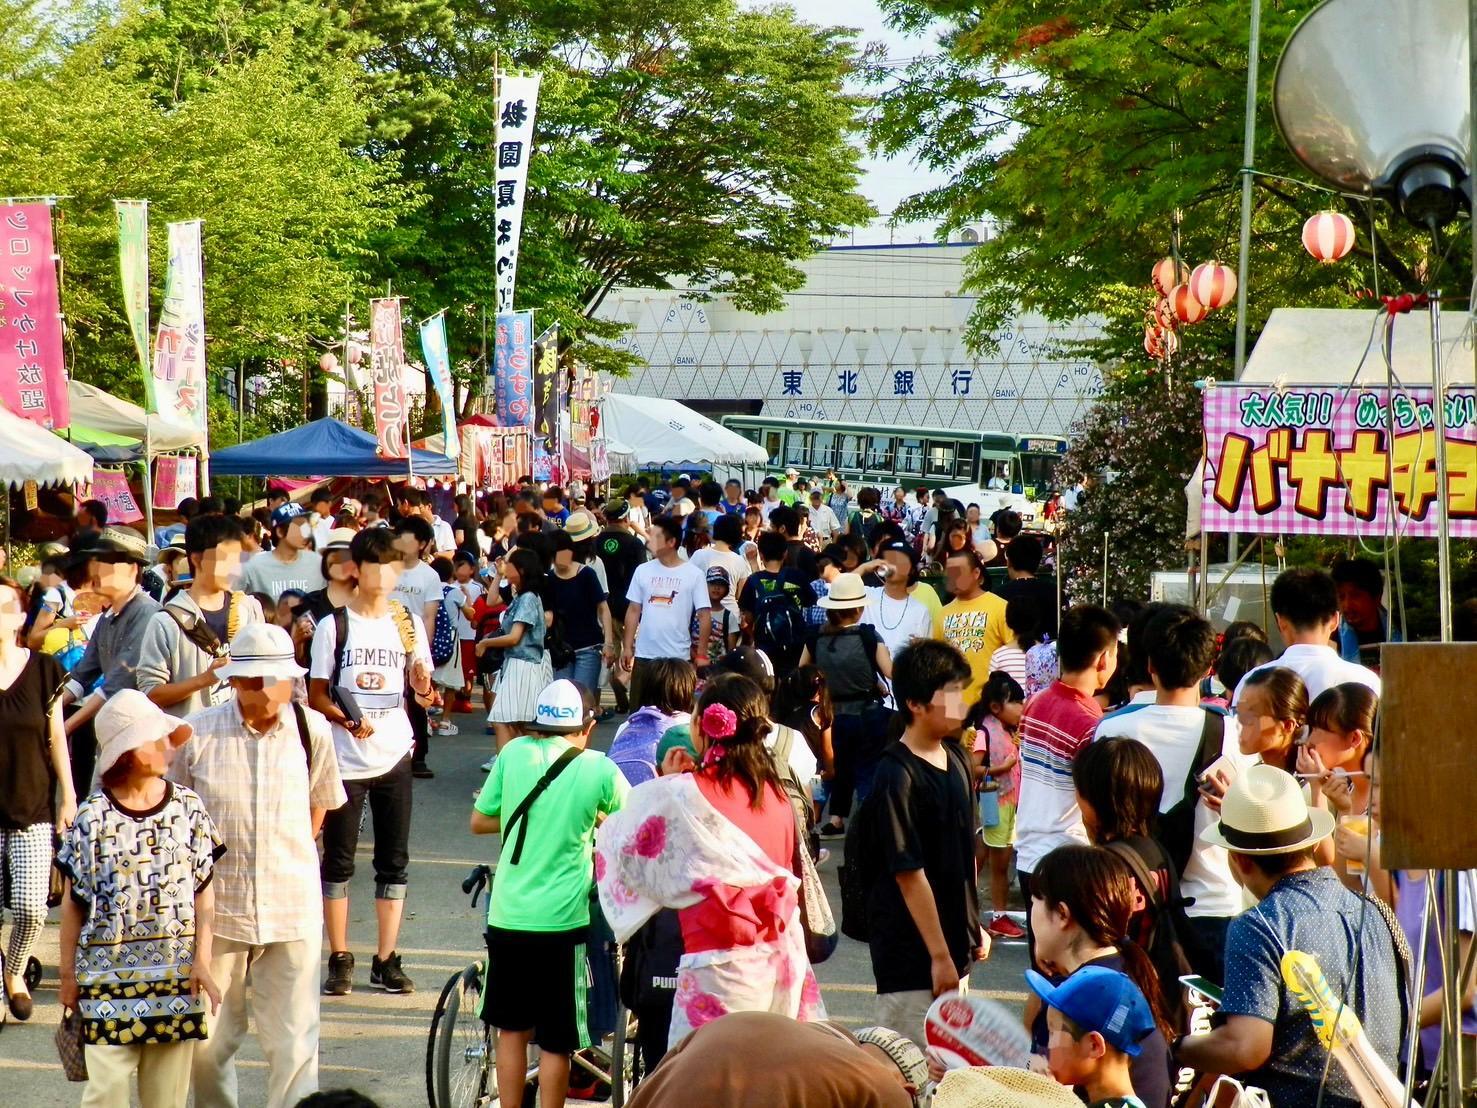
(797, 447)
(964, 460)
(824, 456)
(879, 454)
(940, 460)
(772, 440)
(1039, 471)
(995, 472)
(910, 457)
(849, 452)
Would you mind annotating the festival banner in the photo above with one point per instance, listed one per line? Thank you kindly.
(133, 267)
(1318, 460)
(33, 374)
(547, 396)
(438, 365)
(175, 479)
(177, 385)
(517, 100)
(467, 455)
(512, 367)
(111, 487)
(387, 371)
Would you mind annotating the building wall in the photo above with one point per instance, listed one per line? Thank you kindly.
(875, 335)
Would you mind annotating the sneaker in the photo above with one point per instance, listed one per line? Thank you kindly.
(340, 974)
(421, 770)
(832, 830)
(605, 716)
(389, 976)
(487, 765)
(447, 729)
(1003, 927)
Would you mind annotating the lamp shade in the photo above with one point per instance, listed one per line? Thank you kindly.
(1372, 97)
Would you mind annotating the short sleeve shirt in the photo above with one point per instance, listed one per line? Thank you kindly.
(1312, 912)
(549, 888)
(668, 597)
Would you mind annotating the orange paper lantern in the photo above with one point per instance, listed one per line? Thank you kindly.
(1168, 273)
(1328, 236)
(1185, 307)
(1213, 284)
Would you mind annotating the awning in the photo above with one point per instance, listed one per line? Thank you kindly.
(665, 433)
(29, 452)
(102, 418)
(323, 448)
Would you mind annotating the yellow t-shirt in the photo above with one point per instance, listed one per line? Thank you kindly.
(928, 596)
(977, 627)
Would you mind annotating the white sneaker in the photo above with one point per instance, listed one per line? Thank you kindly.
(487, 765)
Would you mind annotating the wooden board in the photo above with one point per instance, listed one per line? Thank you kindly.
(1428, 763)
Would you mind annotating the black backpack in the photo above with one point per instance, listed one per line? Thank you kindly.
(778, 622)
(1177, 826)
(1159, 927)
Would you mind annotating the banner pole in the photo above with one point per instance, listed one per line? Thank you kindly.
(148, 482)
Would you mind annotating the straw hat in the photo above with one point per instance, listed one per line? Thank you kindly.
(580, 526)
(847, 591)
(261, 650)
(130, 720)
(1264, 813)
(904, 1053)
(1001, 1087)
(340, 538)
(118, 541)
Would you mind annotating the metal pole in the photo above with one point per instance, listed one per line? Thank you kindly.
(1248, 156)
(1443, 524)
(240, 413)
(1105, 569)
(148, 480)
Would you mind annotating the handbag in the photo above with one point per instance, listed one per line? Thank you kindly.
(69, 1045)
(815, 910)
(990, 806)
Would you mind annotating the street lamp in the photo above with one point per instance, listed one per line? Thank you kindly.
(1372, 97)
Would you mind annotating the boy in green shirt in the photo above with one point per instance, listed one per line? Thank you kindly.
(538, 912)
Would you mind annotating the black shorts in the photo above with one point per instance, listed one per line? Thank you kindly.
(539, 981)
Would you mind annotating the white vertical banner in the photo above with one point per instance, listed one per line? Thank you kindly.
(517, 99)
(177, 382)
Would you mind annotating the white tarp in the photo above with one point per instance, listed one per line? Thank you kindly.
(1323, 346)
(101, 411)
(32, 453)
(665, 433)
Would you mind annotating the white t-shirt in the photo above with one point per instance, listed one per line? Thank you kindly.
(269, 574)
(374, 673)
(321, 526)
(802, 759)
(1320, 667)
(736, 565)
(1172, 734)
(464, 594)
(668, 599)
(898, 622)
(1012, 659)
(823, 521)
(418, 586)
(445, 536)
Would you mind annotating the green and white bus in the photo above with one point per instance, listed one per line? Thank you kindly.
(993, 471)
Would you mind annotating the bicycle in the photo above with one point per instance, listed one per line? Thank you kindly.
(461, 1050)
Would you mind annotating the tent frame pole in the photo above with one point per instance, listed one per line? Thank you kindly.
(148, 483)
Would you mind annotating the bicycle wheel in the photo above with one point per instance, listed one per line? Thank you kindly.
(462, 1054)
(625, 1058)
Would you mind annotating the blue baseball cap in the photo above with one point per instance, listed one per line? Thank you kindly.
(1096, 998)
(284, 515)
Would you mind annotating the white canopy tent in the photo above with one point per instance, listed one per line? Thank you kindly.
(32, 453)
(1324, 346)
(665, 434)
(101, 411)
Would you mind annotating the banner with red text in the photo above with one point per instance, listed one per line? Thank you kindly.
(175, 479)
(1318, 460)
(512, 368)
(387, 373)
(111, 487)
(177, 389)
(33, 375)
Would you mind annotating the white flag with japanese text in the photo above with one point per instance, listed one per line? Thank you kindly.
(513, 130)
(177, 389)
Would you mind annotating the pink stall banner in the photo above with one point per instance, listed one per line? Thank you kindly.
(33, 378)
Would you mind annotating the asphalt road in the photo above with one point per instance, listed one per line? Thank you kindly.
(376, 1043)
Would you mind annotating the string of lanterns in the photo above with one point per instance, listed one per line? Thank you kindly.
(1187, 296)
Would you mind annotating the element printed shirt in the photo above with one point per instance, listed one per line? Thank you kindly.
(136, 875)
(375, 671)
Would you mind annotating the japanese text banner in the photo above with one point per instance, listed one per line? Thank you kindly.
(386, 370)
(512, 366)
(1314, 460)
(517, 99)
(438, 365)
(177, 389)
(33, 376)
(546, 405)
(133, 271)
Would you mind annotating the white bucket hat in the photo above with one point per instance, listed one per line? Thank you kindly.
(130, 720)
(847, 591)
(1264, 813)
(261, 650)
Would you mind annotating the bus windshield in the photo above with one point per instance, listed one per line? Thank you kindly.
(1038, 471)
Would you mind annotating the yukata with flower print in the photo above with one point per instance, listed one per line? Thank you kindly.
(673, 846)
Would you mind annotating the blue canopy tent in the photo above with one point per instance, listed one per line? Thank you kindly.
(323, 448)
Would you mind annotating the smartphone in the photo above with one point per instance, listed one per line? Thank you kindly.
(1222, 767)
(1203, 990)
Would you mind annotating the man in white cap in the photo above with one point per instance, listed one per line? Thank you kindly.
(1268, 1039)
(538, 912)
(185, 643)
(266, 770)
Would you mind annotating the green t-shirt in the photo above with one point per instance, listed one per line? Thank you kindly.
(787, 495)
(1118, 1102)
(549, 888)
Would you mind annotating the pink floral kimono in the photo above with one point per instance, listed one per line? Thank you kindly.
(670, 848)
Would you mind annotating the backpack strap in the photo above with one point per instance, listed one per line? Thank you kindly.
(784, 742)
(520, 813)
(235, 604)
(1212, 741)
(302, 734)
(1140, 872)
(1403, 957)
(340, 640)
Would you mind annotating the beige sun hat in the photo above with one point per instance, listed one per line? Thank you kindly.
(847, 591)
(339, 538)
(1264, 812)
(130, 720)
(1001, 1087)
(580, 526)
(261, 650)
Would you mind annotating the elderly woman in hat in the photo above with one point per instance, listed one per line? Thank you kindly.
(138, 917)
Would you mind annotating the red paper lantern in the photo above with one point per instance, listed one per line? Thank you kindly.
(1169, 344)
(1328, 236)
(1213, 284)
(1153, 343)
(1185, 307)
(1164, 316)
(328, 362)
(1168, 273)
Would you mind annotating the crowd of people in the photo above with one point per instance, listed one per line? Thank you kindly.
(192, 731)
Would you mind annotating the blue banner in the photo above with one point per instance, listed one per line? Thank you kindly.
(512, 369)
(438, 364)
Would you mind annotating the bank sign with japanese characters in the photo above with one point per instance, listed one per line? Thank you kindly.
(1323, 460)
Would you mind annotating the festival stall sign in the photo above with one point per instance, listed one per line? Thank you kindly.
(111, 487)
(133, 273)
(577, 453)
(177, 386)
(175, 479)
(512, 366)
(517, 100)
(33, 378)
(387, 371)
(547, 406)
(1320, 460)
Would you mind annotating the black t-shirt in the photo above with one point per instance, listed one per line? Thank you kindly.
(621, 552)
(219, 619)
(27, 779)
(1032, 588)
(317, 605)
(467, 525)
(801, 558)
(925, 819)
(576, 603)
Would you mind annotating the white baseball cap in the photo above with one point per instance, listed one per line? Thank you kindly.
(261, 650)
(130, 720)
(561, 708)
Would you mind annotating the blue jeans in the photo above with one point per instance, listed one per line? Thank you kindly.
(584, 670)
